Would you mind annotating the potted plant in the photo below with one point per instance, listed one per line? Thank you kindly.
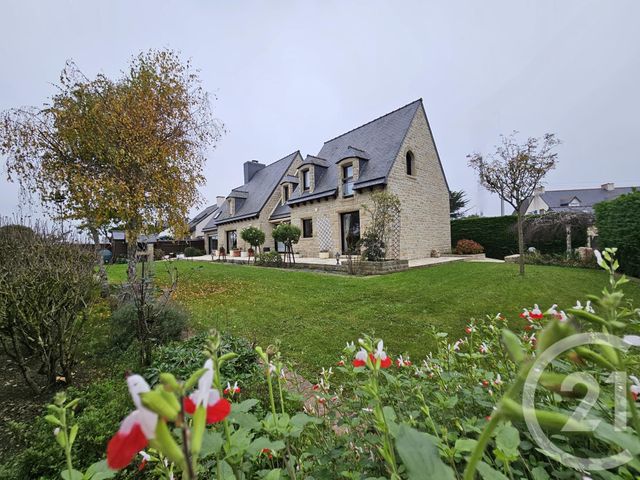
(324, 253)
(251, 252)
(222, 253)
(235, 252)
(244, 253)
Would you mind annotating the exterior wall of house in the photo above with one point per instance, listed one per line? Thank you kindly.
(424, 196)
(326, 217)
(537, 204)
(262, 221)
(198, 233)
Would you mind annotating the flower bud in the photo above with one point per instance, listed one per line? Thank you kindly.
(156, 402)
(513, 345)
(169, 381)
(166, 444)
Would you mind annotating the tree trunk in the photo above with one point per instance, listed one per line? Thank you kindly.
(102, 272)
(521, 242)
(569, 248)
(132, 248)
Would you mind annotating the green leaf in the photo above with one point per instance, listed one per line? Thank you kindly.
(610, 435)
(261, 443)
(539, 473)
(488, 473)
(465, 445)
(75, 475)
(273, 474)
(420, 456)
(72, 434)
(244, 407)
(211, 443)
(53, 420)
(244, 420)
(193, 379)
(508, 440)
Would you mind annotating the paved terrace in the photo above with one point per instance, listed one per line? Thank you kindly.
(314, 263)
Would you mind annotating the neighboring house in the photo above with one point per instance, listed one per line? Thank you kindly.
(202, 219)
(324, 194)
(575, 200)
(250, 204)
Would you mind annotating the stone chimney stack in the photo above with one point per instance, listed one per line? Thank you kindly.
(609, 187)
(251, 168)
(220, 200)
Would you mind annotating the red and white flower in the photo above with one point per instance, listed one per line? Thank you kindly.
(498, 380)
(360, 359)
(484, 348)
(471, 328)
(135, 430)
(561, 316)
(525, 313)
(587, 308)
(145, 458)
(208, 397)
(635, 388)
(341, 363)
(552, 310)
(232, 390)
(458, 344)
(499, 316)
(403, 362)
(379, 353)
(536, 313)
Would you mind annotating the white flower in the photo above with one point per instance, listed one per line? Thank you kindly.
(456, 346)
(589, 308)
(552, 310)
(599, 259)
(633, 340)
(272, 368)
(379, 352)
(145, 456)
(484, 348)
(56, 431)
(498, 380)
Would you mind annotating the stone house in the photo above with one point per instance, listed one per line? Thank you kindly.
(572, 200)
(324, 195)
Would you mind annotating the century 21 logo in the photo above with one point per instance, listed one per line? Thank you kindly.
(579, 420)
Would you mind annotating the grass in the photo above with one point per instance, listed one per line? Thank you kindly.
(315, 314)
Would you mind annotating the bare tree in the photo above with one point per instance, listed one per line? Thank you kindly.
(515, 170)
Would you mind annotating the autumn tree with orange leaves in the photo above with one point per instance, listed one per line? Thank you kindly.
(127, 152)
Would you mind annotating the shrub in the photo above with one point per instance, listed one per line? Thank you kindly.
(158, 254)
(253, 236)
(561, 260)
(498, 236)
(269, 259)
(468, 247)
(46, 285)
(193, 252)
(618, 223)
(169, 321)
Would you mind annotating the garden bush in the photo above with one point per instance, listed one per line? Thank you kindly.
(498, 236)
(193, 252)
(158, 254)
(468, 247)
(618, 223)
(169, 321)
(47, 284)
(560, 260)
(269, 259)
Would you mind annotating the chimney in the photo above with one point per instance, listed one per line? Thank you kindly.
(220, 200)
(251, 168)
(608, 186)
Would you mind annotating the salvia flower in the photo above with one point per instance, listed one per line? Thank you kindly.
(458, 344)
(587, 308)
(135, 430)
(552, 310)
(145, 458)
(232, 390)
(403, 362)
(360, 359)
(208, 397)
(635, 388)
(536, 313)
(498, 380)
(471, 328)
(525, 313)
(379, 353)
(484, 348)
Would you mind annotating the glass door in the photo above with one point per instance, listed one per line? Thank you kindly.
(350, 233)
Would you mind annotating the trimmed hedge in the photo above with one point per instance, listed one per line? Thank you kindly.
(499, 236)
(618, 223)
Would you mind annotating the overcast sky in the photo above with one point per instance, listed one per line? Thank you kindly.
(290, 75)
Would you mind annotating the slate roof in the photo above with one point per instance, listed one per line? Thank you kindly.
(558, 200)
(377, 141)
(201, 216)
(281, 211)
(257, 191)
(211, 224)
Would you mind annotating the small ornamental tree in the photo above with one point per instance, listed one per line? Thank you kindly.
(514, 171)
(254, 237)
(384, 210)
(288, 235)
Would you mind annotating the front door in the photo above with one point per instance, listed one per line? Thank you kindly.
(350, 231)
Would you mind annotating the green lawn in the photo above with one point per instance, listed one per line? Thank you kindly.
(314, 314)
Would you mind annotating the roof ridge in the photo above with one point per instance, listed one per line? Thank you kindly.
(582, 189)
(375, 119)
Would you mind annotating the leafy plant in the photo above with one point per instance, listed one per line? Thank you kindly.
(384, 211)
(468, 247)
(269, 259)
(253, 236)
(289, 235)
(169, 322)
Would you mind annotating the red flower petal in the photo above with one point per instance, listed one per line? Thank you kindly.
(188, 405)
(386, 363)
(218, 411)
(359, 363)
(537, 316)
(123, 447)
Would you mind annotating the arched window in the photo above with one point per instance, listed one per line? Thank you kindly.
(411, 168)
